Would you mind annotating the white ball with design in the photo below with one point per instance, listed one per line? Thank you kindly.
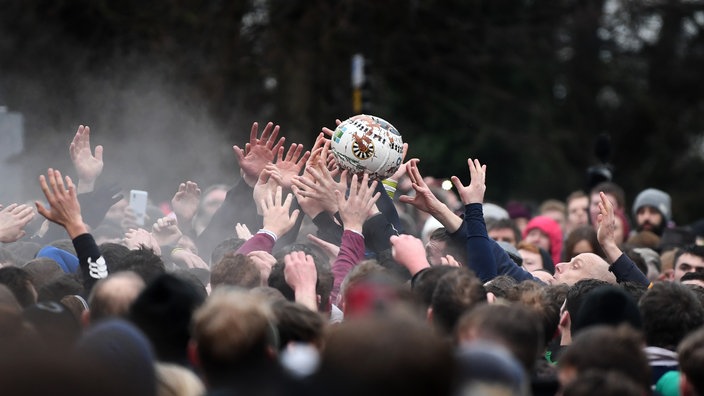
(368, 144)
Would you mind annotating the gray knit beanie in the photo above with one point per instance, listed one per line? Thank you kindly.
(658, 199)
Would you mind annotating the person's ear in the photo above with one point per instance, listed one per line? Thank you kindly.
(429, 315)
(565, 320)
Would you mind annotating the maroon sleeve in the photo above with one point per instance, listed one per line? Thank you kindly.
(260, 241)
(351, 253)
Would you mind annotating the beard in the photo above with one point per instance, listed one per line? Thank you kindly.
(657, 229)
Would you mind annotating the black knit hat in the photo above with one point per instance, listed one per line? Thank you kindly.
(607, 305)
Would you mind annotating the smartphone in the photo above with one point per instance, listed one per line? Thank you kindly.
(138, 203)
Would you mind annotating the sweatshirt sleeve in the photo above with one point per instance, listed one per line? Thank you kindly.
(484, 256)
(259, 241)
(351, 253)
(92, 263)
(328, 229)
(377, 231)
(626, 271)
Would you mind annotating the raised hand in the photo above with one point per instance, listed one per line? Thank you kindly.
(291, 165)
(264, 261)
(88, 166)
(606, 228)
(320, 186)
(258, 152)
(357, 207)
(243, 231)
(300, 273)
(474, 192)
(409, 251)
(166, 232)
(185, 203)
(64, 208)
(141, 237)
(13, 219)
(277, 218)
(401, 171)
(327, 131)
(269, 178)
(331, 250)
(424, 199)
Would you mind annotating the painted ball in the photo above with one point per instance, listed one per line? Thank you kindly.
(368, 144)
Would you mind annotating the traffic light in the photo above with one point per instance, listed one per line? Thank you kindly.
(361, 85)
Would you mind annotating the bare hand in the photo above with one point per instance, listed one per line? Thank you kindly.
(424, 199)
(449, 260)
(474, 193)
(356, 208)
(166, 231)
(331, 250)
(264, 261)
(327, 131)
(64, 208)
(300, 273)
(276, 213)
(321, 187)
(87, 165)
(243, 231)
(258, 152)
(291, 165)
(134, 239)
(401, 171)
(13, 219)
(185, 203)
(409, 251)
(269, 178)
(187, 259)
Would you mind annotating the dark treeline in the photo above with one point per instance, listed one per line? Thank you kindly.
(526, 86)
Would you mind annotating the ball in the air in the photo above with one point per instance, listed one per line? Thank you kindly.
(369, 144)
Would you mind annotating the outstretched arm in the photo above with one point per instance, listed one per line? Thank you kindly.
(185, 205)
(484, 256)
(65, 211)
(425, 200)
(258, 152)
(278, 220)
(239, 207)
(300, 273)
(354, 210)
(88, 166)
(621, 265)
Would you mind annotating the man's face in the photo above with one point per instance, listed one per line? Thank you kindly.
(503, 234)
(577, 212)
(649, 219)
(577, 268)
(688, 262)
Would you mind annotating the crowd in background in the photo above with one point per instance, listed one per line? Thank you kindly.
(298, 277)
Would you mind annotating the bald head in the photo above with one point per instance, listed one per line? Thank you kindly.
(113, 295)
(584, 266)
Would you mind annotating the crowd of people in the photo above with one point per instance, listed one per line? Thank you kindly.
(301, 278)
